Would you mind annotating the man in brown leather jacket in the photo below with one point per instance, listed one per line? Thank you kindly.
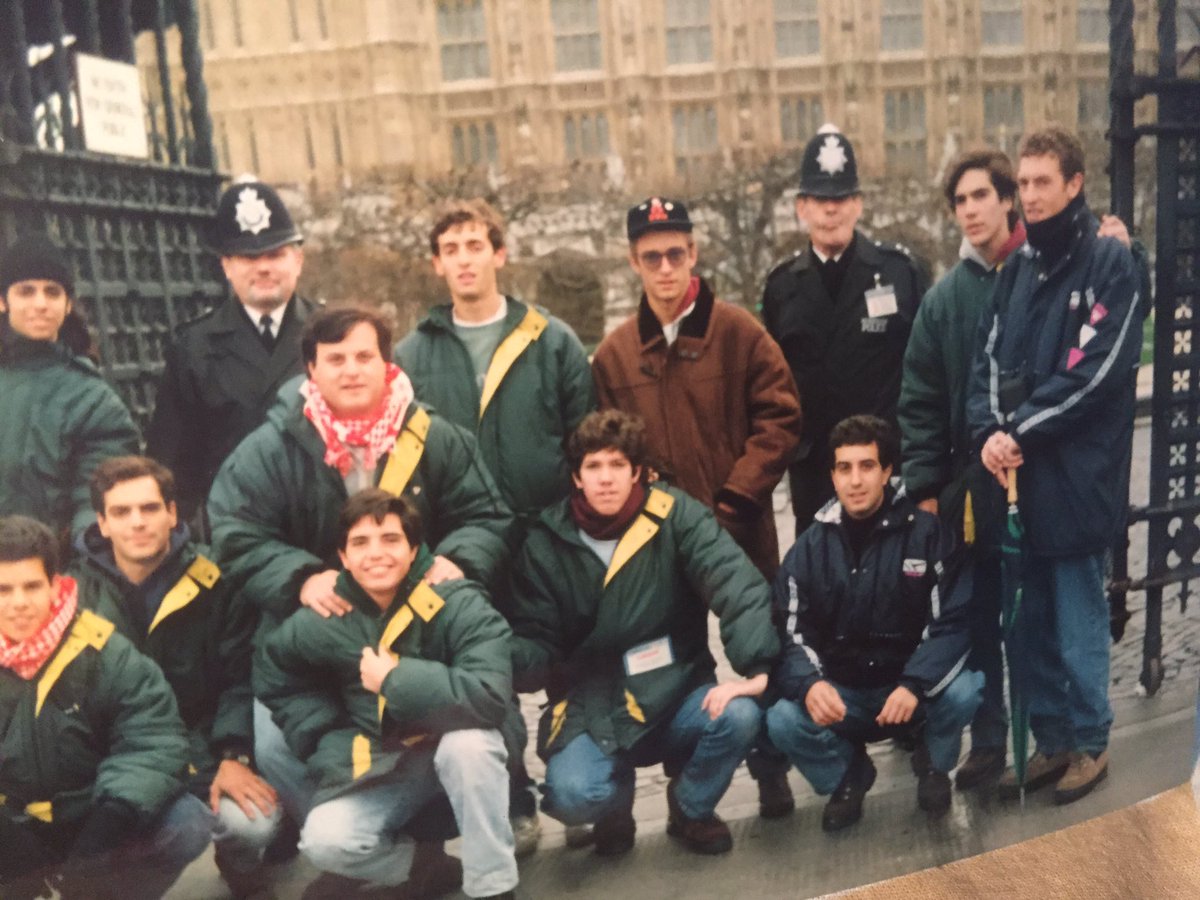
(720, 405)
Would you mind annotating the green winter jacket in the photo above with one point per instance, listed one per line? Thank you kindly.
(575, 622)
(275, 503)
(61, 420)
(186, 619)
(937, 453)
(97, 723)
(539, 388)
(455, 672)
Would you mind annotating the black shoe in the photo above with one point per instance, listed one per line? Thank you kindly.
(775, 798)
(252, 885)
(982, 766)
(614, 834)
(328, 886)
(933, 792)
(845, 805)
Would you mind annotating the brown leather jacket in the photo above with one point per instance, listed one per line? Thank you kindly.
(721, 410)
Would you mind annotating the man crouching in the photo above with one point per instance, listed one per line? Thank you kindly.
(92, 748)
(390, 705)
(613, 592)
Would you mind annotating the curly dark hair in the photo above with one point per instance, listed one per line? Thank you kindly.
(858, 431)
(608, 429)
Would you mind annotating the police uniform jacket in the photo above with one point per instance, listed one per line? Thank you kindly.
(218, 382)
(845, 361)
(577, 620)
(275, 503)
(185, 618)
(896, 615)
(98, 722)
(454, 672)
(721, 411)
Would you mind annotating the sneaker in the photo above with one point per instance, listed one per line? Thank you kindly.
(933, 792)
(613, 834)
(1039, 772)
(983, 765)
(845, 804)
(434, 873)
(1083, 774)
(527, 834)
(708, 836)
(775, 798)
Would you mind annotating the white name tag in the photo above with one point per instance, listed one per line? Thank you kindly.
(881, 301)
(649, 656)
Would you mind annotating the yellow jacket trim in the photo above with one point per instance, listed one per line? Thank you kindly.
(508, 352)
(360, 756)
(425, 601)
(205, 572)
(406, 454)
(640, 532)
(968, 520)
(89, 630)
(631, 706)
(43, 811)
(558, 716)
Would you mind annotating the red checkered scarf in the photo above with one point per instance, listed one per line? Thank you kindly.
(27, 657)
(376, 432)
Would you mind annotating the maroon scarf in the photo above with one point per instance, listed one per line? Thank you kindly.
(607, 528)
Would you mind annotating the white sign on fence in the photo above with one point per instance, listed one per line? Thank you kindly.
(110, 105)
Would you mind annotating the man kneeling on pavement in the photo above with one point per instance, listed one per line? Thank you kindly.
(392, 705)
(873, 607)
(92, 750)
(138, 567)
(613, 591)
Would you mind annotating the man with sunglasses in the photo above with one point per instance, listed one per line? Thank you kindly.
(720, 406)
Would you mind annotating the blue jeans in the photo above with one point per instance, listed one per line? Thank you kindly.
(280, 767)
(1062, 635)
(989, 728)
(358, 835)
(583, 783)
(823, 756)
(147, 866)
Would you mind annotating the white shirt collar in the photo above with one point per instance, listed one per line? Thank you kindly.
(822, 257)
(276, 317)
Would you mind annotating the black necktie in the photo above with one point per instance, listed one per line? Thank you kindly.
(265, 334)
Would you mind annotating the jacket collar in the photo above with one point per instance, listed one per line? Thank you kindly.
(353, 593)
(895, 500)
(694, 327)
(440, 317)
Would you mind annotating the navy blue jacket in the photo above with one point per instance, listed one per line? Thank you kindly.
(1070, 335)
(897, 617)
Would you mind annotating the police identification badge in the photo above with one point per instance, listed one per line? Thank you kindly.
(881, 301)
(649, 656)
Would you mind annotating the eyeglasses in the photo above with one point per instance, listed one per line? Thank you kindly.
(652, 259)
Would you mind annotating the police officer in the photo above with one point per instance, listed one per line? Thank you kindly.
(841, 310)
(223, 370)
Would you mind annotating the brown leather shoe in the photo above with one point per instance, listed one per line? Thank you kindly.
(1083, 774)
(982, 765)
(1039, 772)
(709, 836)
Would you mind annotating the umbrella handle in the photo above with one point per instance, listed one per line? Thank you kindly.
(1012, 486)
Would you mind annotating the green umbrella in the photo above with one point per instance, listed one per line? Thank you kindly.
(1012, 558)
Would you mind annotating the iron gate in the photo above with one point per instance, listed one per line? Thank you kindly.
(132, 228)
(1173, 513)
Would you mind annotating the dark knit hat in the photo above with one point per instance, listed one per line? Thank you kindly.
(35, 257)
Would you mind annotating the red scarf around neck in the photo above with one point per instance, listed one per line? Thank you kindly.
(27, 657)
(375, 433)
(607, 528)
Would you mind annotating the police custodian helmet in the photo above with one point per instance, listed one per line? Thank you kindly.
(829, 169)
(251, 220)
